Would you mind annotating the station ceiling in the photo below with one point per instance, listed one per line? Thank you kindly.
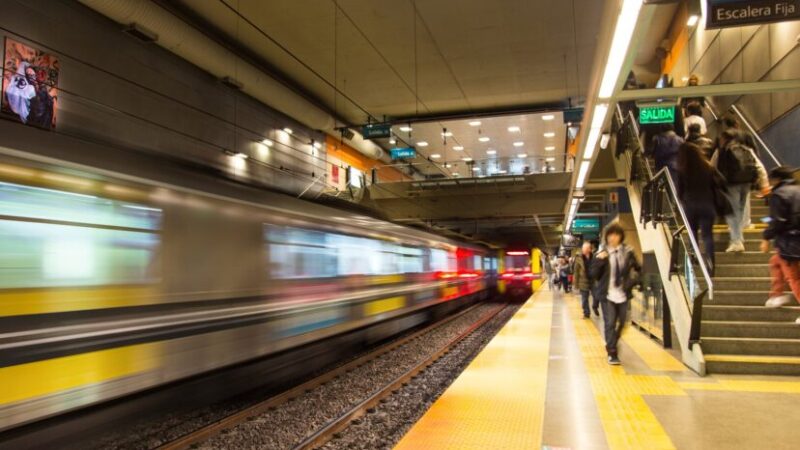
(403, 59)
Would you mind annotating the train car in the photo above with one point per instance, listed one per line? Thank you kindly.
(113, 284)
(521, 272)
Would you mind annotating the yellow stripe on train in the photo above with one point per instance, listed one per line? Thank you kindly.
(376, 307)
(15, 302)
(25, 381)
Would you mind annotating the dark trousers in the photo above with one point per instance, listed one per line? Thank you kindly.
(701, 219)
(614, 317)
(565, 283)
(585, 302)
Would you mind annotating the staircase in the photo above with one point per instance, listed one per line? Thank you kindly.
(739, 334)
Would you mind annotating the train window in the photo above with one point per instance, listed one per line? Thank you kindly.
(411, 260)
(52, 238)
(442, 260)
(300, 253)
(518, 262)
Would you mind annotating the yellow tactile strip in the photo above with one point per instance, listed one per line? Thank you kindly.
(655, 357)
(627, 420)
(498, 401)
(766, 386)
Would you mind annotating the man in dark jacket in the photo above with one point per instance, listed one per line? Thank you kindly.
(615, 271)
(784, 229)
(582, 282)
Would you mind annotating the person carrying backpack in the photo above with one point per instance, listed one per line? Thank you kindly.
(742, 170)
(784, 229)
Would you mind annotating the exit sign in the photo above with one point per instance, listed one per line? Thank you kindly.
(656, 114)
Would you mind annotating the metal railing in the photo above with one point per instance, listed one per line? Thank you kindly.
(660, 205)
(749, 128)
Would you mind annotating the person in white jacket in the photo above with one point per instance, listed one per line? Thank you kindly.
(740, 181)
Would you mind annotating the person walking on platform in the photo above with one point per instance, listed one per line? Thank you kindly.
(548, 270)
(616, 272)
(784, 229)
(563, 273)
(582, 281)
(702, 192)
(742, 169)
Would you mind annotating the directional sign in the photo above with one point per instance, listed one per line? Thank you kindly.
(591, 225)
(376, 130)
(403, 152)
(656, 114)
(573, 115)
(737, 13)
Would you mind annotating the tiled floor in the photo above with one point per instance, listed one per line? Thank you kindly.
(543, 382)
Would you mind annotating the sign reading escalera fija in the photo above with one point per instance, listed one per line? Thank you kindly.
(734, 13)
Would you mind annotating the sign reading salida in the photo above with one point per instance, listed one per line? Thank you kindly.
(735, 13)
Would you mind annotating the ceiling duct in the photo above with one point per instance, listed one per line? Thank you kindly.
(185, 41)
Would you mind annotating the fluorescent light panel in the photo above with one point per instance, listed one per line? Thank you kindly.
(626, 23)
(591, 143)
(582, 174)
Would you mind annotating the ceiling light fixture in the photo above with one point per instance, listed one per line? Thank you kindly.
(268, 142)
(522, 155)
(549, 134)
(476, 169)
(458, 148)
(393, 140)
(405, 128)
(519, 144)
(626, 23)
(693, 19)
(475, 123)
(422, 144)
(288, 130)
(466, 158)
(582, 174)
(491, 151)
(551, 159)
(513, 129)
(548, 117)
(549, 148)
(483, 139)
(447, 133)
(436, 156)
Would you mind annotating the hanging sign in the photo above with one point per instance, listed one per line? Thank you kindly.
(377, 131)
(737, 13)
(656, 114)
(403, 152)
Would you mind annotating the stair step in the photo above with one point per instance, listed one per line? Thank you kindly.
(750, 245)
(742, 270)
(764, 330)
(750, 313)
(751, 346)
(753, 364)
(742, 258)
(738, 298)
(761, 284)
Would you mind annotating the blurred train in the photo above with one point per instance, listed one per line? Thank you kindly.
(111, 284)
(520, 272)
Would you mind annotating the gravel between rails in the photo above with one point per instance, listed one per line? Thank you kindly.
(289, 423)
(396, 414)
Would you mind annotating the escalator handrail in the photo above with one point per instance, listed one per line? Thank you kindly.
(750, 129)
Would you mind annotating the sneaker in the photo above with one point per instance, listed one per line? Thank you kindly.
(614, 361)
(596, 312)
(735, 247)
(777, 302)
(797, 321)
(731, 248)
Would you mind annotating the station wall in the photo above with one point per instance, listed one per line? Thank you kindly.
(118, 91)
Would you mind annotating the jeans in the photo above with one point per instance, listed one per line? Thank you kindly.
(701, 219)
(614, 318)
(784, 272)
(585, 302)
(739, 196)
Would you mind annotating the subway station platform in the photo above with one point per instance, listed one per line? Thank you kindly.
(543, 382)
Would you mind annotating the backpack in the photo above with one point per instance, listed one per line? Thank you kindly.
(738, 164)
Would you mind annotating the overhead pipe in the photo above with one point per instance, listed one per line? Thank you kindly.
(185, 41)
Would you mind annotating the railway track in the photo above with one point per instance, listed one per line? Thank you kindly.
(249, 426)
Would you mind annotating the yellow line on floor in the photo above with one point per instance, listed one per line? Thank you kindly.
(651, 353)
(627, 419)
(498, 401)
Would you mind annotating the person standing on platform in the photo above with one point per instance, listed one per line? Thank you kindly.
(563, 273)
(616, 272)
(784, 229)
(582, 281)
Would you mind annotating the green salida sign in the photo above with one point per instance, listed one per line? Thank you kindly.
(656, 114)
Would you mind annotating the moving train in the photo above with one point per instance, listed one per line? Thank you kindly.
(112, 284)
(521, 272)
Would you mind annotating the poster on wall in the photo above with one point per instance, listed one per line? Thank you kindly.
(737, 13)
(30, 84)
